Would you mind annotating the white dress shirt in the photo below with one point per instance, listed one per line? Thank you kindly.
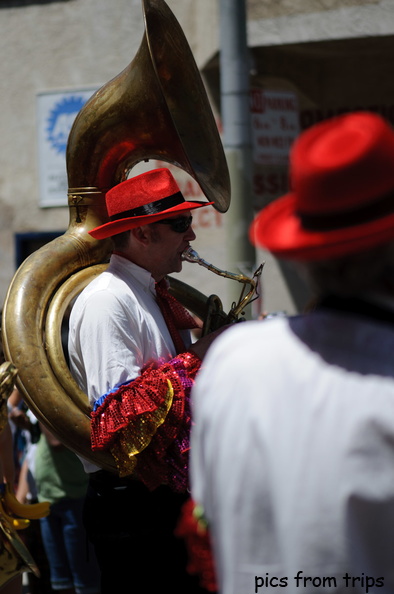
(292, 455)
(117, 329)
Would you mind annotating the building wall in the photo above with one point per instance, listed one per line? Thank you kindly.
(49, 46)
(334, 54)
(273, 23)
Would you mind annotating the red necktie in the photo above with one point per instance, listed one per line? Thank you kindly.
(175, 315)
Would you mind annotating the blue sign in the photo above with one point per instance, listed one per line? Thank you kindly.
(56, 112)
(60, 120)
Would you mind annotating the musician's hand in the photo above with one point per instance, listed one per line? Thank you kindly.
(20, 418)
(201, 346)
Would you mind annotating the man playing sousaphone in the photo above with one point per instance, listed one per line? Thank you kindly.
(130, 351)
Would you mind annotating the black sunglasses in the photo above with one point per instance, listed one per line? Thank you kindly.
(179, 225)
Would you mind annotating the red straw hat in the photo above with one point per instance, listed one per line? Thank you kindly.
(342, 192)
(144, 199)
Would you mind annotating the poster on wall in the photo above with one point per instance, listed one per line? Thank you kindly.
(275, 125)
(275, 118)
(56, 112)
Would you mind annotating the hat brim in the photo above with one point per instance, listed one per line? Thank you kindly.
(115, 227)
(278, 229)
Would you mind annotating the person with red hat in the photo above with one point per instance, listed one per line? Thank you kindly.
(292, 445)
(130, 351)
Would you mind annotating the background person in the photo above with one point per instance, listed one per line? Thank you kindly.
(7, 472)
(60, 479)
(26, 433)
(292, 449)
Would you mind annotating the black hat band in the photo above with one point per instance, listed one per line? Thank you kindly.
(380, 208)
(151, 208)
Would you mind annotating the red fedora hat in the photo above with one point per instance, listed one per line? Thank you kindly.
(140, 200)
(342, 192)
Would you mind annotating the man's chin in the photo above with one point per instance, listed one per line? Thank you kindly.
(175, 269)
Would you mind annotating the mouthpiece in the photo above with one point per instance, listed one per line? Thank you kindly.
(190, 255)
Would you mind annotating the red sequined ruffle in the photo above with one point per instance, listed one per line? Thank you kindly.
(146, 423)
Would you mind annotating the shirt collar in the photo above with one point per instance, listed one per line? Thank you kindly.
(125, 267)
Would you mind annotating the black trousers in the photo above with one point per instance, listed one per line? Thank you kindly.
(132, 530)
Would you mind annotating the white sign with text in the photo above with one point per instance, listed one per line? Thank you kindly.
(275, 125)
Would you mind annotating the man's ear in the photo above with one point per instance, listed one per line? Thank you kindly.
(141, 234)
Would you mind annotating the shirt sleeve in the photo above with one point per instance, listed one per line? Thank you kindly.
(115, 351)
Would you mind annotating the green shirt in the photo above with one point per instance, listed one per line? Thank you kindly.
(58, 473)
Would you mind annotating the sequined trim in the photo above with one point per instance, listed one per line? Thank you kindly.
(100, 400)
(138, 434)
(146, 423)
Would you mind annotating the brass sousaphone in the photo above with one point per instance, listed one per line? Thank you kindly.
(156, 108)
